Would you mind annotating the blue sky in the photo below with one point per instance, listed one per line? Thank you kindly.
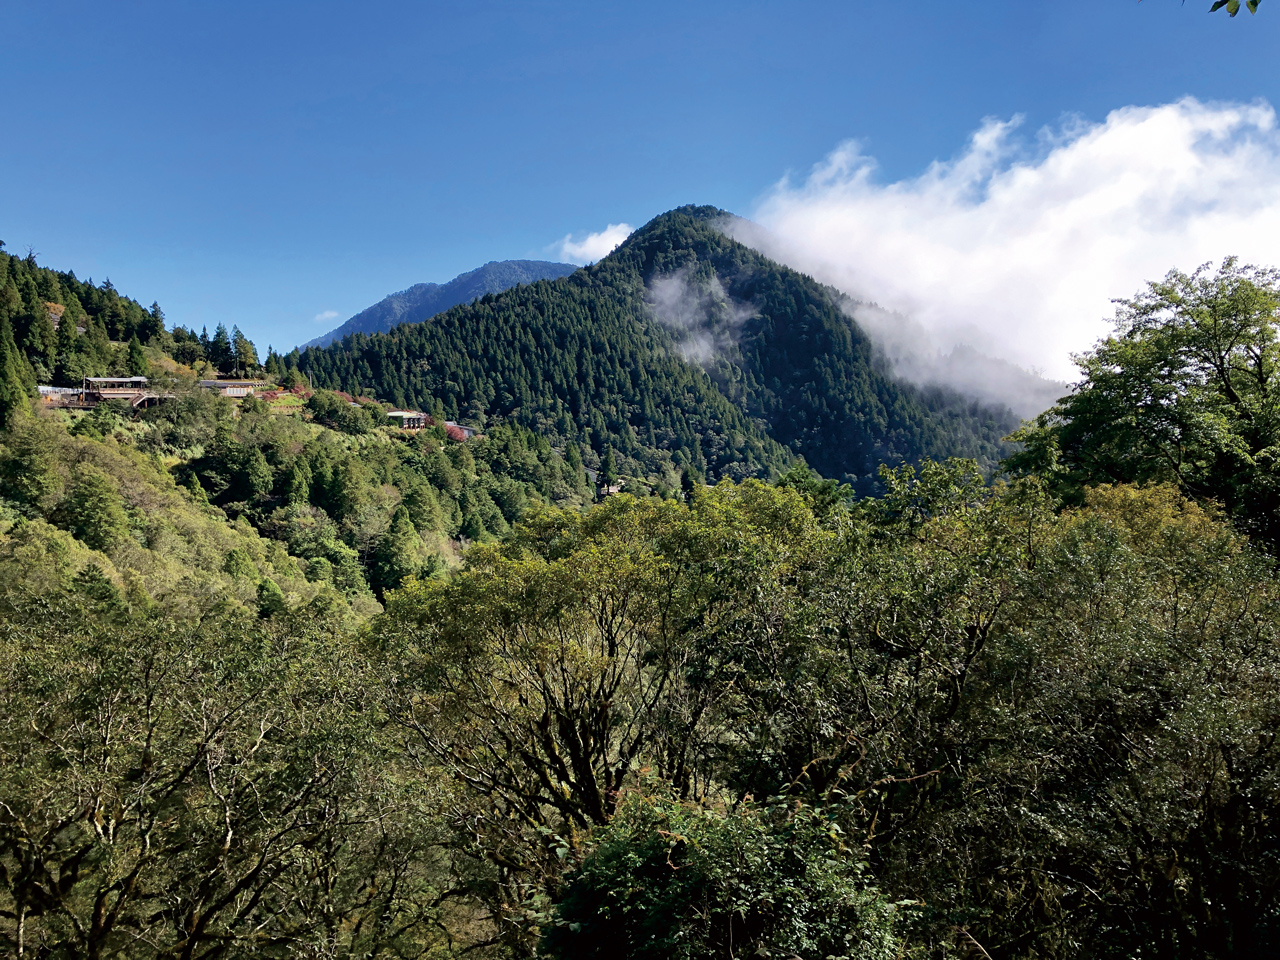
(262, 164)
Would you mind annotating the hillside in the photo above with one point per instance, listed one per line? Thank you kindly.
(198, 500)
(682, 349)
(425, 300)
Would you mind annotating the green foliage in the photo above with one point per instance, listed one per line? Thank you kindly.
(94, 511)
(163, 543)
(1233, 6)
(136, 364)
(14, 390)
(1001, 703)
(671, 880)
(398, 556)
(1187, 391)
(239, 565)
(337, 413)
(210, 790)
(1041, 713)
(271, 601)
(64, 329)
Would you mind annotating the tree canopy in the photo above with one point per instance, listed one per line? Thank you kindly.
(1187, 391)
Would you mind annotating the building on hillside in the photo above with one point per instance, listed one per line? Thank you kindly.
(410, 419)
(96, 390)
(235, 388)
(467, 432)
(114, 388)
(61, 396)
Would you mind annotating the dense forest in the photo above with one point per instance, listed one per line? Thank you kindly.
(284, 680)
(683, 350)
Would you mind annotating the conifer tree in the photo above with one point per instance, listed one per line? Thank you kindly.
(152, 326)
(13, 390)
(608, 472)
(136, 363)
(40, 342)
(10, 300)
(95, 514)
(396, 556)
(257, 476)
(270, 598)
(219, 350)
(243, 353)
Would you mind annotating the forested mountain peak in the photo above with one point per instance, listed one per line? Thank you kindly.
(684, 351)
(424, 300)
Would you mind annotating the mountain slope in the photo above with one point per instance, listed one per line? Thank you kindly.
(424, 300)
(682, 347)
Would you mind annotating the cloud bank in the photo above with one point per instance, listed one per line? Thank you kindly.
(1017, 246)
(594, 245)
(325, 317)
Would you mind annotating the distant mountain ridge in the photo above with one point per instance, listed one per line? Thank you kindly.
(425, 300)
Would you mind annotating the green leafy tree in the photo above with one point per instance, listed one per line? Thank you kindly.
(202, 789)
(219, 351)
(93, 509)
(243, 353)
(239, 565)
(670, 880)
(10, 301)
(1187, 391)
(271, 601)
(608, 475)
(553, 666)
(256, 475)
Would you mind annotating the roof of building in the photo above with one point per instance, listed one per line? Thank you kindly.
(116, 379)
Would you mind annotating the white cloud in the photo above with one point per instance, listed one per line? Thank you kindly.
(325, 317)
(1018, 247)
(595, 245)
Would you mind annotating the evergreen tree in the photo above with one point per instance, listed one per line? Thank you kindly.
(243, 353)
(219, 351)
(14, 394)
(39, 344)
(396, 556)
(136, 363)
(608, 472)
(10, 301)
(94, 511)
(257, 478)
(93, 584)
(271, 600)
(151, 328)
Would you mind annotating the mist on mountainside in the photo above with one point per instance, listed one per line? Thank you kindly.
(966, 360)
(917, 357)
(699, 312)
